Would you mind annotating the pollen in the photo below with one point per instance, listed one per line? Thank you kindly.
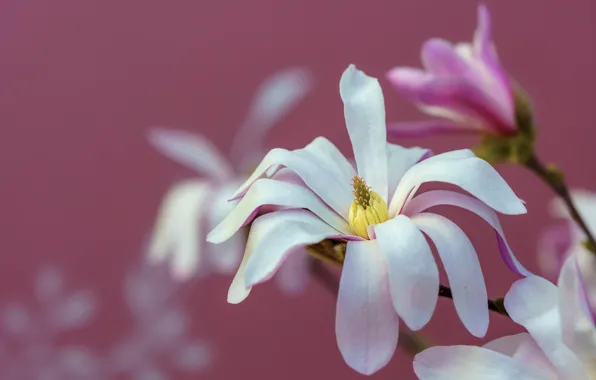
(367, 209)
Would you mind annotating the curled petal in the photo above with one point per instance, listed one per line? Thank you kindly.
(292, 230)
(463, 270)
(445, 197)
(277, 193)
(366, 324)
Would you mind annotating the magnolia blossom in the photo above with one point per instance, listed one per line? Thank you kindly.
(560, 343)
(565, 239)
(192, 207)
(389, 269)
(464, 85)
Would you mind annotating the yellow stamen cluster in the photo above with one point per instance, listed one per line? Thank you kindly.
(367, 209)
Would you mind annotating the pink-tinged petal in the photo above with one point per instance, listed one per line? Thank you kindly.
(460, 99)
(277, 193)
(224, 257)
(178, 227)
(274, 99)
(426, 128)
(191, 150)
(533, 302)
(463, 270)
(440, 58)
(579, 329)
(469, 363)
(326, 153)
(507, 345)
(399, 160)
(323, 182)
(444, 197)
(293, 275)
(554, 246)
(293, 229)
(364, 111)
(366, 325)
(472, 174)
(413, 272)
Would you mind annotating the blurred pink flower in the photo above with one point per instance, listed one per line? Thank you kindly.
(463, 84)
(560, 343)
(389, 269)
(565, 238)
(193, 206)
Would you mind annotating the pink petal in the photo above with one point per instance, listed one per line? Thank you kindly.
(533, 302)
(469, 363)
(291, 230)
(323, 182)
(463, 270)
(444, 197)
(191, 150)
(413, 272)
(366, 324)
(440, 58)
(364, 111)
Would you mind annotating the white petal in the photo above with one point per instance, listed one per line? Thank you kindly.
(224, 257)
(399, 160)
(331, 189)
(191, 150)
(413, 272)
(364, 110)
(178, 228)
(366, 324)
(277, 193)
(463, 270)
(507, 345)
(472, 174)
(292, 230)
(274, 99)
(326, 153)
(469, 363)
(444, 197)
(579, 330)
(293, 275)
(533, 302)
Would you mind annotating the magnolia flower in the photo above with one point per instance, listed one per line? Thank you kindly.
(565, 239)
(389, 269)
(560, 343)
(192, 206)
(463, 85)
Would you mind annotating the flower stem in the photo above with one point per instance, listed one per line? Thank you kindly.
(555, 179)
(412, 343)
(496, 305)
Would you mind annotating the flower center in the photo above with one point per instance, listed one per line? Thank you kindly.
(367, 209)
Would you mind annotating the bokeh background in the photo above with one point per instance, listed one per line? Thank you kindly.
(82, 81)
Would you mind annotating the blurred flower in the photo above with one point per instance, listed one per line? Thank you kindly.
(463, 84)
(565, 238)
(161, 331)
(561, 343)
(193, 205)
(28, 334)
(389, 269)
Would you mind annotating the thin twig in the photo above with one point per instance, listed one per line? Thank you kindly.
(557, 183)
(496, 306)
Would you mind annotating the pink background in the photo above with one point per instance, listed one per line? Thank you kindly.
(81, 81)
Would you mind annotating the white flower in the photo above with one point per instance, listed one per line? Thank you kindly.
(194, 205)
(389, 269)
(561, 344)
